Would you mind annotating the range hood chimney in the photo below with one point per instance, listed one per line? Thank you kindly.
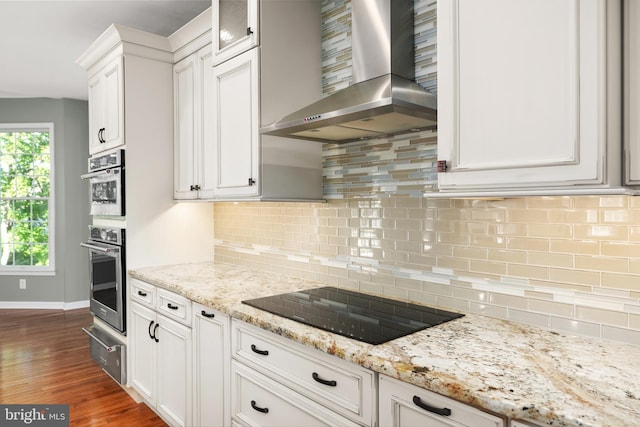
(384, 98)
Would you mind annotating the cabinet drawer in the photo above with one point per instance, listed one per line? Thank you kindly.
(174, 306)
(520, 423)
(258, 400)
(143, 293)
(403, 404)
(339, 385)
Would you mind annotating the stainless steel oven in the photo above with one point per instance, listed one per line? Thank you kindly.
(107, 274)
(106, 184)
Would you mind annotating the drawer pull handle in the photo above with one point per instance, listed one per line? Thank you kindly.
(209, 315)
(316, 377)
(172, 307)
(257, 350)
(259, 409)
(155, 328)
(440, 411)
(150, 325)
(142, 294)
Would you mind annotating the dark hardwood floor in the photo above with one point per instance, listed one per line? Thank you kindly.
(44, 359)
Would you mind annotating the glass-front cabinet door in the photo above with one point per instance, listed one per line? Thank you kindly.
(235, 27)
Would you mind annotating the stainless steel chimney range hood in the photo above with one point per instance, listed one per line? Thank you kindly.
(383, 99)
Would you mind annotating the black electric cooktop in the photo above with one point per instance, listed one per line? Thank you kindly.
(363, 317)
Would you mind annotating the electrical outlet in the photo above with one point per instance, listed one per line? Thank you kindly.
(23, 283)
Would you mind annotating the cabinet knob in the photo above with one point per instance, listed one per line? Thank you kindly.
(249, 31)
(101, 135)
(442, 166)
(251, 181)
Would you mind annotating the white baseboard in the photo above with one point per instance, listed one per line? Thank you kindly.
(76, 304)
(44, 305)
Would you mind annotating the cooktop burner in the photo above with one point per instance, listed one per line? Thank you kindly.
(363, 317)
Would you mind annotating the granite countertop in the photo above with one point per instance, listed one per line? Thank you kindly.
(507, 368)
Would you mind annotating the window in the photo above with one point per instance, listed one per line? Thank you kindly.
(26, 198)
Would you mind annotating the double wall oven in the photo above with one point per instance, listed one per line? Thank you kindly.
(106, 244)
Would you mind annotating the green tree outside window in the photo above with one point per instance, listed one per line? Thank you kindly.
(25, 193)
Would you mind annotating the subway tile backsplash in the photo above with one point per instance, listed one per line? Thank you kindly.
(570, 263)
(452, 254)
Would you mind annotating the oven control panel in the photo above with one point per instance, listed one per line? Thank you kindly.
(107, 234)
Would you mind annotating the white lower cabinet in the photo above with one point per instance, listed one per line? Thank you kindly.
(270, 372)
(403, 405)
(196, 366)
(161, 355)
(211, 367)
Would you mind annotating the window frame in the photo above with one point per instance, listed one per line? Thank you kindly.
(33, 270)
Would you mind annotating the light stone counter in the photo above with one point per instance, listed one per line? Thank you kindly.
(506, 368)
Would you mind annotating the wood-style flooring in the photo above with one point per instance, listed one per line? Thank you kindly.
(44, 359)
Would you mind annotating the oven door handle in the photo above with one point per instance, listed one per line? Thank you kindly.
(98, 173)
(106, 251)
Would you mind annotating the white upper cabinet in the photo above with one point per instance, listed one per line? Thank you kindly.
(235, 28)
(257, 87)
(125, 60)
(192, 109)
(106, 107)
(529, 95)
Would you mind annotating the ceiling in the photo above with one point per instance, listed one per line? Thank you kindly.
(40, 40)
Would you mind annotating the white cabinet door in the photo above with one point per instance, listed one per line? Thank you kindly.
(184, 99)
(143, 352)
(194, 171)
(405, 405)
(205, 158)
(236, 124)
(106, 107)
(114, 104)
(95, 113)
(632, 91)
(173, 349)
(523, 92)
(211, 367)
(235, 27)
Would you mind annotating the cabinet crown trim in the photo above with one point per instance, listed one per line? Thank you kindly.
(119, 35)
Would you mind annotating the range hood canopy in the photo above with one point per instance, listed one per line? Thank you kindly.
(384, 99)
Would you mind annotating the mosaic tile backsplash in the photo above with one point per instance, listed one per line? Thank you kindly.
(566, 263)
